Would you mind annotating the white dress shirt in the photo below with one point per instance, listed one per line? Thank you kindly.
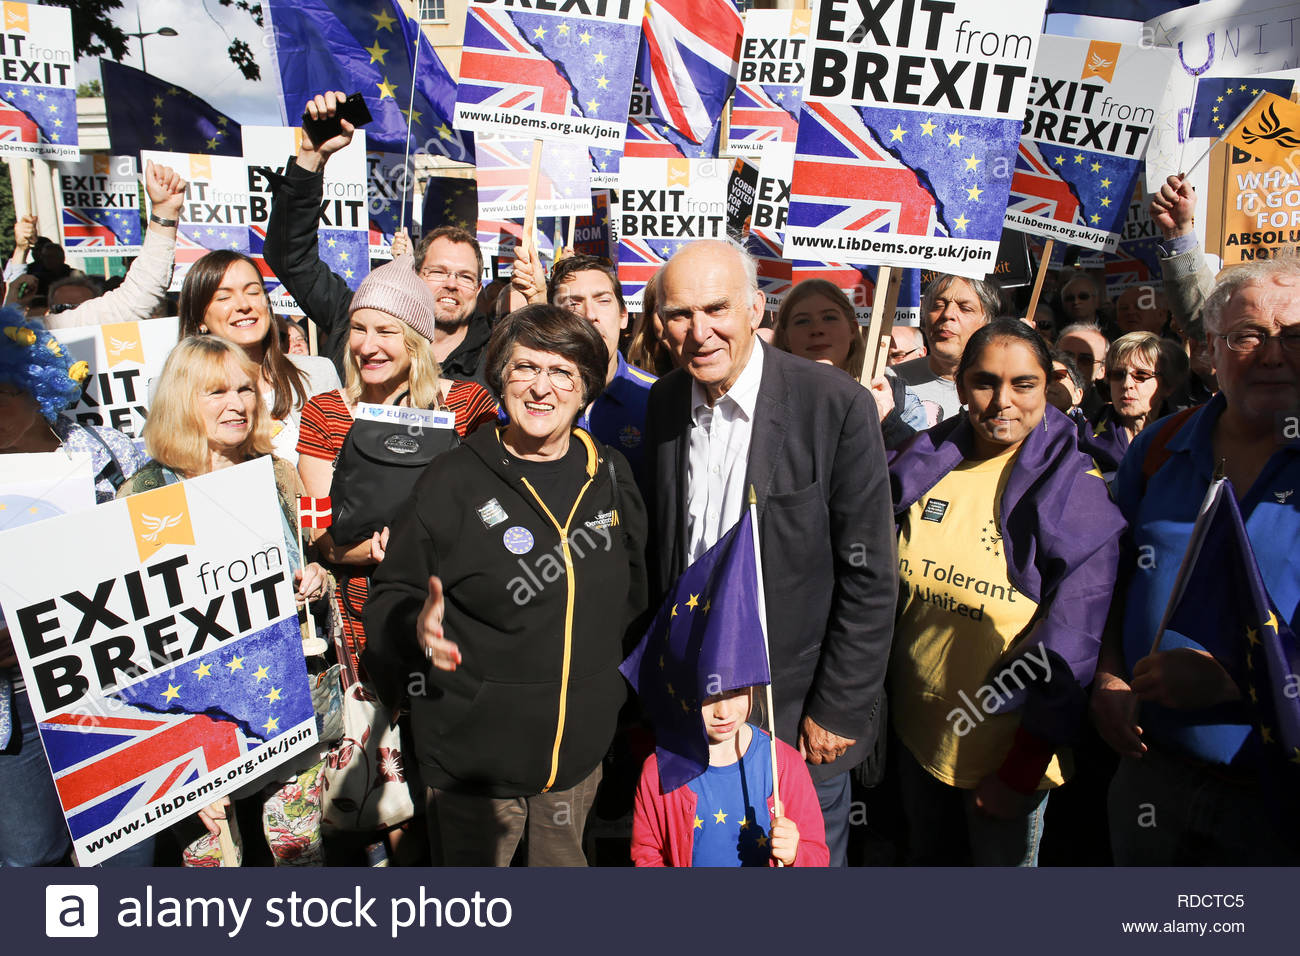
(719, 456)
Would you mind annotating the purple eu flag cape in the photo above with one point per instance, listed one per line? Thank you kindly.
(706, 639)
(1060, 533)
(1220, 594)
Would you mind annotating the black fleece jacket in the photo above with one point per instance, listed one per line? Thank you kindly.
(533, 704)
(292, 254)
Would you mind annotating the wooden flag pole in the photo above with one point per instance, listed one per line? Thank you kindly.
(889, 279)
(407, 175)
(573, 230)
(530, 212)
(767, 651)
(302, 555)
(1043, 265)
(229, 855)
(30, 179)
(313, 337)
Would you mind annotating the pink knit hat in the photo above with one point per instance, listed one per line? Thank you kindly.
(396, 289)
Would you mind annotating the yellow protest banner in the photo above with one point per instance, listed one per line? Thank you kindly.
(1269, 130)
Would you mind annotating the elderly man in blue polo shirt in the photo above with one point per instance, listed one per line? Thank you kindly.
(1188, 790)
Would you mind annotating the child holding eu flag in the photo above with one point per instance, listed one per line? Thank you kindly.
(727, 816)
(718, 791)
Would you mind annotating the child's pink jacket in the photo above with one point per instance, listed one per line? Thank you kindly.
(663, 831)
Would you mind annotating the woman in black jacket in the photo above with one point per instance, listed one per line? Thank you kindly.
(502, 603)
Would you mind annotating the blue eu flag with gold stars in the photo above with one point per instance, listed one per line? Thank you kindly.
(1220, 101)
(1220, 601)
(145, 112)
(706, 639)
(367, 47)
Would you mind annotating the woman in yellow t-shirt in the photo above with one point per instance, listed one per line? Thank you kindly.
(1008, 545)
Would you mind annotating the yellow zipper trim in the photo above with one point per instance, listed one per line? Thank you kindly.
(569, 598)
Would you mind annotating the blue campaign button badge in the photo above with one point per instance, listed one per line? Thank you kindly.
(518, 540)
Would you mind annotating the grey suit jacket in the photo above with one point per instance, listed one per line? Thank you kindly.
(826, 531)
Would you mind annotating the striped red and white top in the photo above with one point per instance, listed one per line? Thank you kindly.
(324, 425)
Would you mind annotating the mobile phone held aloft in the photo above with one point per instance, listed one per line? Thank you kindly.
(353, 109)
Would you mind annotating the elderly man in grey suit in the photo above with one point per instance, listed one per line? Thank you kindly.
(737, 413)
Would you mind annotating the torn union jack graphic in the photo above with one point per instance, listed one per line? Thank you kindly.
(774, 271)
(637, 262)
(765, 114)
(494, 48)
(16, 126)
(97, 759)
(844, 180)
(1037, 190)
(80, 230)
(563, 184)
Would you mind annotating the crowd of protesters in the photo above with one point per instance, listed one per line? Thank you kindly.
(1007, 504)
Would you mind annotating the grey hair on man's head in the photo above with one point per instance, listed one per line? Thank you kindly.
(986, 292)
(747, 262)
(1235, 279)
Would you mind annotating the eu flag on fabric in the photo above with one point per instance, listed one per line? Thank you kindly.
(43, 113)
(1220, 101)
(367, 47)
(449, 201)
(706, 639)
(147, 113)
(1220, 595)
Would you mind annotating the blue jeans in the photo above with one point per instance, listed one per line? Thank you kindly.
(32, 831)
(945, 828)
(1166, 811)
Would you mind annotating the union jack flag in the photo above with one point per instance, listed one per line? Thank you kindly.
(494, 47)
(176, 727)
(81, 230)
(194, 241)
(774, 271)
(97, 760)
(853, 281)
(1038, 190)
(1125, 269)
(765, 114)
(637, 262)
(649, 136)
(498, 237)
(844, 180)
(689, 58)
(563, 183)
(16, 126)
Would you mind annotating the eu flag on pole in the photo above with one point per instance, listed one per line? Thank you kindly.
(1220, 101)
(146, 113)
(1220, 594)
(367, 47)
(706, 639)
